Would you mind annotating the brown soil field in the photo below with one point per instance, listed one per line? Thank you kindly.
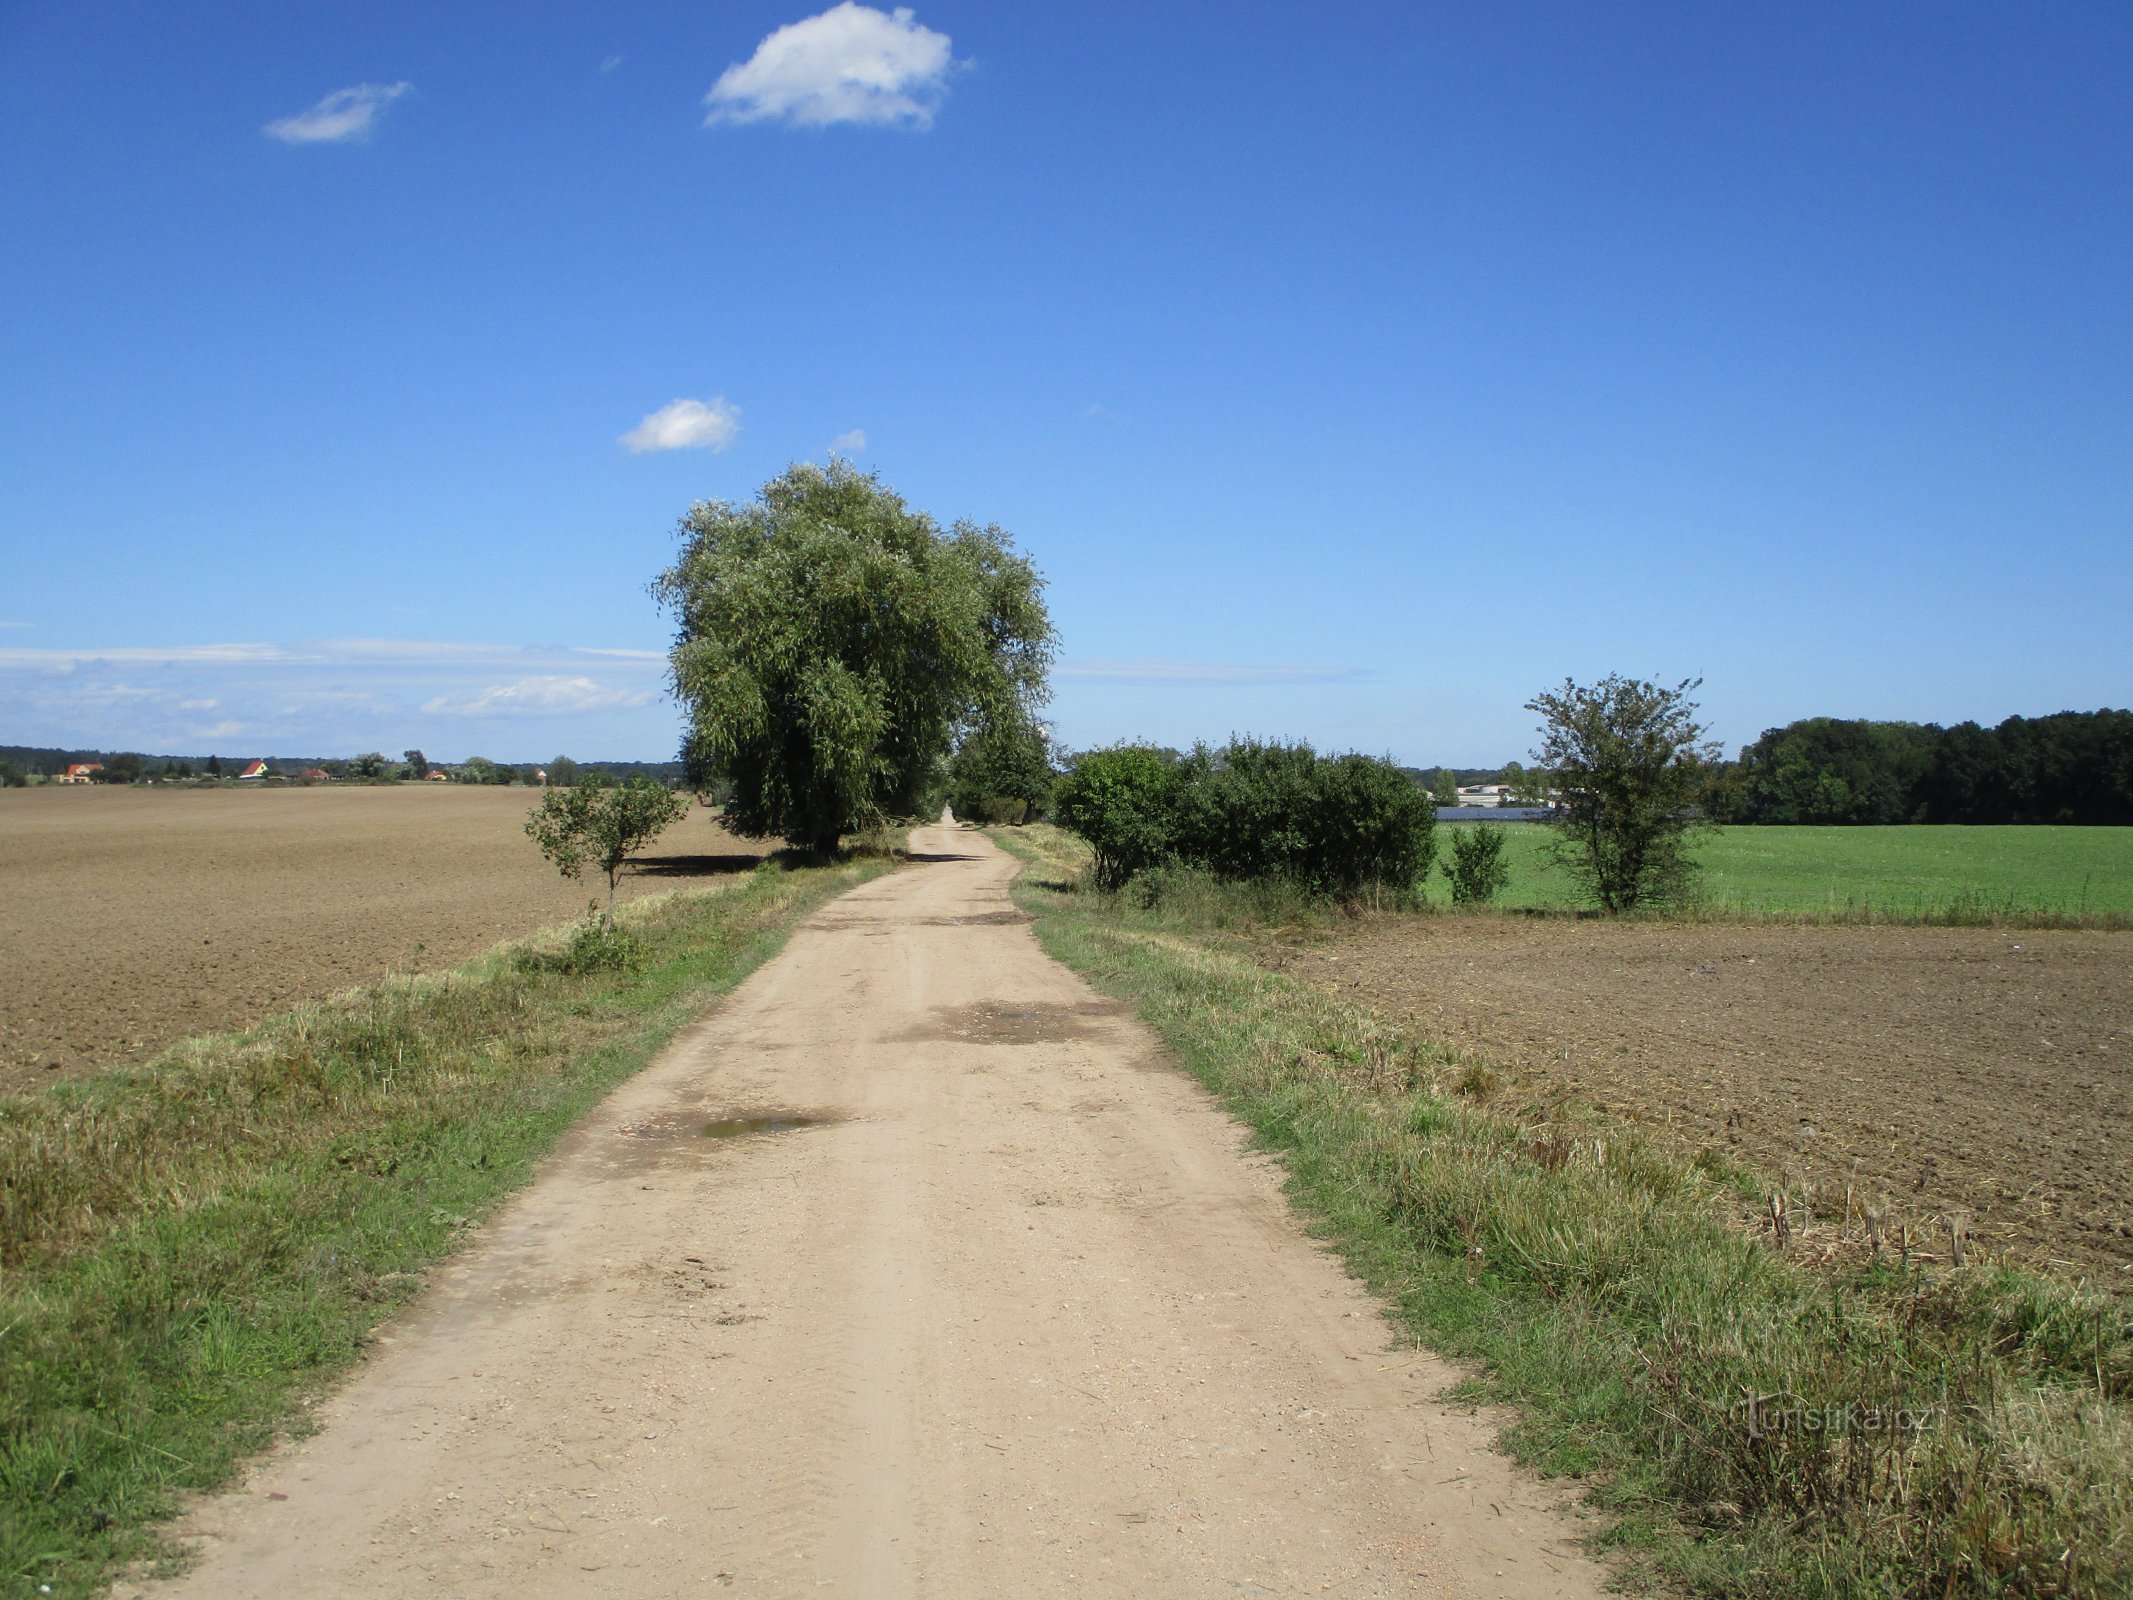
(138, 917)
(1944, 1071)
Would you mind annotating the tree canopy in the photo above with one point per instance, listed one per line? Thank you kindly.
(832, 642)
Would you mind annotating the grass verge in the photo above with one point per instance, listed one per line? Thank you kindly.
(1747, 1424)
(190, 1251)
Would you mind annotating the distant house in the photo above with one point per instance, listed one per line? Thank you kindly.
(253, 773)
(1485, 794)
(315, 775)
(80, 772)
(438, 775)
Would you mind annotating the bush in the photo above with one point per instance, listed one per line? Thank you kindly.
(589, 950)
(1477, 869)
(1370, 825)
(1245, 811)
(1122, 802)
(1249, 812)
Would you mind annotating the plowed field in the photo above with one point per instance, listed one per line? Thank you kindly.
(137, 917)
(1943, 1072)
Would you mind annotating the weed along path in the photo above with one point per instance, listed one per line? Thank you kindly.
(913, 1269)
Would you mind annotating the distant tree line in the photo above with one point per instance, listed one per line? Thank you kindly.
(2072, 767)
(19, 764)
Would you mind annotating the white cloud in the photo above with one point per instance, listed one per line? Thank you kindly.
(547, 693)
(398, 653)
(344, 114)
(849, 443)
(850, 64)
(304, 697)
(686, 425)
(611, 63)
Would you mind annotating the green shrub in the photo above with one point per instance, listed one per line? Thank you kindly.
(1122, 802)
(1334, 824)
(1251, 811)
(1369, 826)
(1245, 811)
(1477, 869)
(589, 950)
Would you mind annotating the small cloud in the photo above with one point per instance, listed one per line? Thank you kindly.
(686, 425)
(546, 693)
(847, 444)
(198, 705)
(611, 63)
(343, 114)
(850, 64)
(17, 624)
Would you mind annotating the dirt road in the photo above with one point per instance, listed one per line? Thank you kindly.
(1016, 1315)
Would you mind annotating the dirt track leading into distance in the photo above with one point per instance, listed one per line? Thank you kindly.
(1016, 1315)
(138, 917)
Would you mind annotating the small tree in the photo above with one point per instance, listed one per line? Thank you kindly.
(1477, 869)
(1626, 761)
(369, 766)
(1444, 788)
(593, 823)
(418, 765)
(562, 772)
(1122, 801)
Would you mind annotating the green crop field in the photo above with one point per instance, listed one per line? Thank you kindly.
(1901, 873)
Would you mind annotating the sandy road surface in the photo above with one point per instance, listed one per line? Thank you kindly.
(1016, 1317)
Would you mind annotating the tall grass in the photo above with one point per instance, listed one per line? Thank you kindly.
(190, 1249)
(1750, 1424)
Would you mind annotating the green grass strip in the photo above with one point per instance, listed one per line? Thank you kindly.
(1748, 1425)
(190, 1252)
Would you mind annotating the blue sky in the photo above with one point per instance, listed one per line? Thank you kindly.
(1352, 373)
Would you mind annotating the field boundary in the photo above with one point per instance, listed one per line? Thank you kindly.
(1745, 1423)
(191, 1253)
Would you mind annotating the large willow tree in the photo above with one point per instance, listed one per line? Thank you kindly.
(832, 645)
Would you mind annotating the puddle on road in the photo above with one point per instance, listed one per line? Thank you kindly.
(1017, 1024)
(771, 1122)
(687, 1125)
